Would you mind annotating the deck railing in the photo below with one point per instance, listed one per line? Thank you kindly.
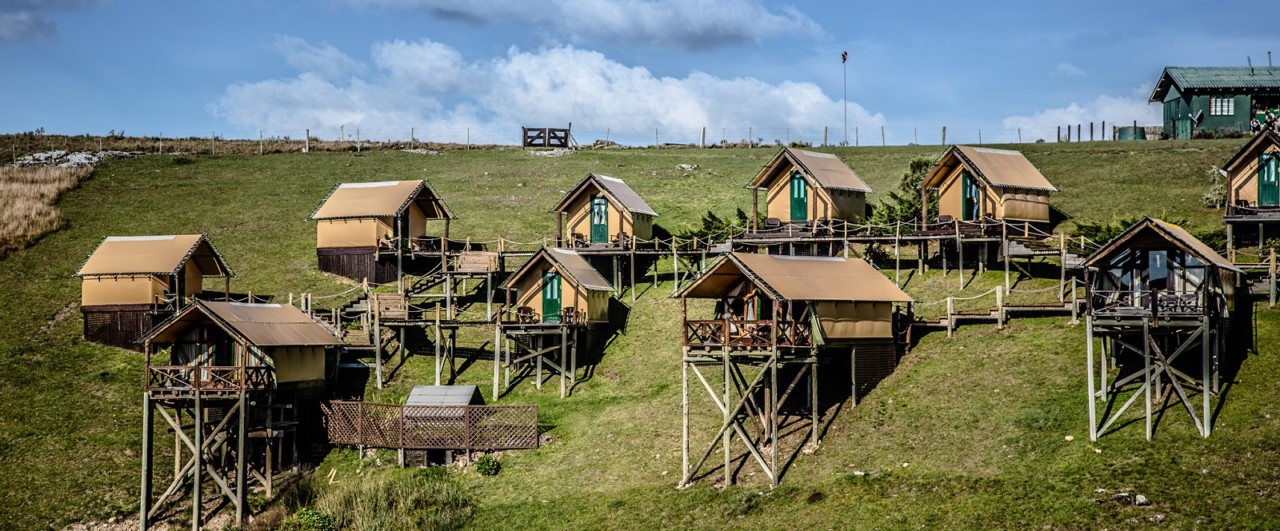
(746, 334)
(416, 427)
(207, 378)
(1146, 303)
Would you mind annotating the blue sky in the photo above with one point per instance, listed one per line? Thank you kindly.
(617, 68)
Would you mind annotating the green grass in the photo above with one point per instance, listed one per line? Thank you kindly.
(979, 420)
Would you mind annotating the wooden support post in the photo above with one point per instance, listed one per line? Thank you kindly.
(1093, 401)
(1146, 372)
(564, 358)
(1231, 246)
(198, 458)
(773, 420)
(539, 364)
(439, 367)
(497, 359)
(1272, 273)
(448, 296)
(631, 262)
(1004, 242)
(1062, 257)
(813, 400)
(376, 335)
(897, 253)
(148, 437)
(1205, 377)
(675, 262)
(727, 438)
(999, 309)
(951, 308)
(488, 296)
(853, 374)
(684, 417)
(241, 470)
(959, 256)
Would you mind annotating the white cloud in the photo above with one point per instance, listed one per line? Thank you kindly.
(1067, 70)
(429, 86)
(25, 26)
(690, 24)
(323, 60)
(1115, 110)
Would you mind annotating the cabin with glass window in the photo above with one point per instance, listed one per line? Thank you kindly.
(557, 286)
(603, 211)
(786, 317)
(977, 184)
(1160, 302)
(1216, 98)
(806, 190)
(244, 383)
(129, 283)
(1252, 211)
(366, 230)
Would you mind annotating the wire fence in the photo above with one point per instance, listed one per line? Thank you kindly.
(408, 136)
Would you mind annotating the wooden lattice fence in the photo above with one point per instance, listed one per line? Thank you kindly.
(414, 427)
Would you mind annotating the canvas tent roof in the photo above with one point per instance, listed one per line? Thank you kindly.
(1168, 231)
(997, 167)
(570, 264)
(1251, 148)
(827, 170)
(381, 199)
(799, 278)
(263, 325)
(614, 188)
(153, 255)
(1251, 80)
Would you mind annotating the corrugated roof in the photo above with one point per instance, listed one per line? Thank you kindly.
(800, 278)
(614, 188)
(263, 325)
(568, 263)
(1174, 233)
(153, 255)
(826, 170)
(997, 167)
(1251, 149)
(1258, 79)
(444, 395)
(381, 199)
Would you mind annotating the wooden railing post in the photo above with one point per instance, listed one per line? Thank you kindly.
(999, 308)
(951, 308)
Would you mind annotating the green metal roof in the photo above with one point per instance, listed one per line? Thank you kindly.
(1237, 79)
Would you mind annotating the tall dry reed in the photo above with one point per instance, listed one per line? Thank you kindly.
(28, 199)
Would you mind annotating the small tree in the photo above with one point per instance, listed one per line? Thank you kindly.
(903, 205)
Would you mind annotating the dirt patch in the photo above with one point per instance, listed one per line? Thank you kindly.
(59, 316)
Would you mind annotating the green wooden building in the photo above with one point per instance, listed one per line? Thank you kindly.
(1215, 97)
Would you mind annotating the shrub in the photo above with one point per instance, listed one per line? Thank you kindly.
(308, 519)
(396, 499)
(1216, 196)
(486, 465)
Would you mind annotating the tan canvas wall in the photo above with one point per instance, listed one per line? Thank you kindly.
(643, 226)
(855, 320)
(820, 203)
(951, 197)
(1244, 180)
(194, 279)
(384, 228)
(579, 219)
(103, 291)
(1024, 205)
(417, 221)
(849, 205)
(594, 304)
(341, 233)
(297, 364)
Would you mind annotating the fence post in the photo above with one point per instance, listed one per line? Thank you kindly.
(999, 308)
(951, 308)
(1062, 253)
(306, 141)
(1075, 317)
(1273, 279)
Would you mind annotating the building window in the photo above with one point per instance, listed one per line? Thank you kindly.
(1222, 106)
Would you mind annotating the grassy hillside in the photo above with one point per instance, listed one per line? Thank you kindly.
(969, 431)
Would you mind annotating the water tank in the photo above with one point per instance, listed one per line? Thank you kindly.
(1130, 132)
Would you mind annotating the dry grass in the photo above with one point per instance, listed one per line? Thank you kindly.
(27, 203)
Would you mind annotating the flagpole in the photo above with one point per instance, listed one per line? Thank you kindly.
(844, 64)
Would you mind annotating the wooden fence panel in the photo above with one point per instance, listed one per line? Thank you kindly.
(432, 427)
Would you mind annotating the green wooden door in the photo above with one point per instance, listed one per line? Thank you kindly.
(799, 197)
(551, 297)
(970, 190)
(1182, 129)
(599, 220)
(1268, 190)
